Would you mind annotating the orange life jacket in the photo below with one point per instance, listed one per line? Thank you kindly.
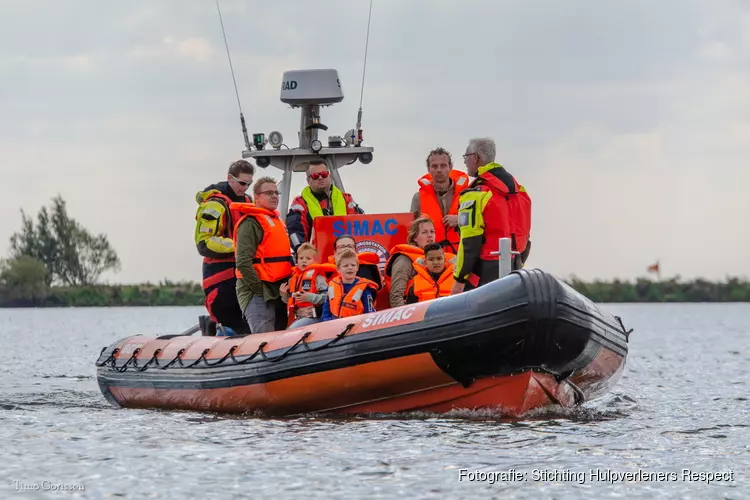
(343, 306)
(430, 206)
(215, 270)
(369, 265)
(306, 281)
(273, 257)
(411, 251)
(425, 287)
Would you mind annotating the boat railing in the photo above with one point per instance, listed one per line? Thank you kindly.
(506, 256)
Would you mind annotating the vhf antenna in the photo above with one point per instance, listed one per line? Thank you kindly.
(242, 117)
(359, 137)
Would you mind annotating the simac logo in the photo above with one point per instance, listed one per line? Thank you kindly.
(374, 247)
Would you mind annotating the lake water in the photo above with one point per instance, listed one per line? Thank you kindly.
(681, 405)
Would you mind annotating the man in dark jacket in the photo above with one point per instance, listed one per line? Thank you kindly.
(213, 239)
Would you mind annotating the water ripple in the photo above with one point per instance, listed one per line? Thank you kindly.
(56, 426)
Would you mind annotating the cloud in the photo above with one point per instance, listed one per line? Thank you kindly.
(628, 123)
(75, 63)
(196, 49)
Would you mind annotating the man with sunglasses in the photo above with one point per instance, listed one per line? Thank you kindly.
(319, 198)
(213, 237)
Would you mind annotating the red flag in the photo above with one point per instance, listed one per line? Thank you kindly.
(653, 268)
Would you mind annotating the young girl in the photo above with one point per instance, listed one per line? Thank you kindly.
(307, 288)
(348, 295)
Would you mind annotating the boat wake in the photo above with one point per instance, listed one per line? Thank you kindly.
(58, 399)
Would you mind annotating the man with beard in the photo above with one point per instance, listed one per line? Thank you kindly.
(437, 198)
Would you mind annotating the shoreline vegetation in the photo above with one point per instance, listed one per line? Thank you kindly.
(56, 262)
(167, 293)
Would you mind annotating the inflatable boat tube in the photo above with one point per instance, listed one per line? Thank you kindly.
(523, 342)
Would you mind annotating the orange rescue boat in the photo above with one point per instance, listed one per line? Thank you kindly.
(522, 342)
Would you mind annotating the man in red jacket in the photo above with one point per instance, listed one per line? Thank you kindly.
(494, 206)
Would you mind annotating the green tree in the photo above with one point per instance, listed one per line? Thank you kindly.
(24, 279)
(70, 253)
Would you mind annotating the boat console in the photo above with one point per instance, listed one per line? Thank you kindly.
(308, 90)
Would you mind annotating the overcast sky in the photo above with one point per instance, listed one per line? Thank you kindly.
(627, 121)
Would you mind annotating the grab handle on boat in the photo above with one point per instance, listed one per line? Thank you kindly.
(506, 256)
(196, 327)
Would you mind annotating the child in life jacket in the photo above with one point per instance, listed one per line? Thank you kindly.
(307, 288)
(348, 294)
(434, 276)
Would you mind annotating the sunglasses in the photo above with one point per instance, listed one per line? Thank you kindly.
(270, 193)
(241, 183)
(319, 175)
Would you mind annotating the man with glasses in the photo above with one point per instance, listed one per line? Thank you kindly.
(494, 206)
(319, 198)
(213, 237)
(264, 259)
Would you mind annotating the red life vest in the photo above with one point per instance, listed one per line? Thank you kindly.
(508, 212)
(344, 305)
(273, 257)
(518, 207)
(430, 207)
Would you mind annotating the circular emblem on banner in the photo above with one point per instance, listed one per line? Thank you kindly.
(374, 247)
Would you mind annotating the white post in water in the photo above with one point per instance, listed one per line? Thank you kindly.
(505, 257)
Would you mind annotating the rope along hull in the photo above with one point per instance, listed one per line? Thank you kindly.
(524, 342)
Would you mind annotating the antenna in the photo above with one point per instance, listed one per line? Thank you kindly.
(231, 68)
(359, 137)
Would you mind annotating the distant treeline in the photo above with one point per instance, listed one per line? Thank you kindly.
(669, 290)
(55, 262)
(163, 294)
(190, 294)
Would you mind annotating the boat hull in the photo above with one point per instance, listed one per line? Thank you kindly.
(524, 342)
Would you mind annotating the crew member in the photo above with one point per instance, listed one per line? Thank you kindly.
(319, 198)
(437, 197)
(213, 237)
(264, 259)
(494, 206)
